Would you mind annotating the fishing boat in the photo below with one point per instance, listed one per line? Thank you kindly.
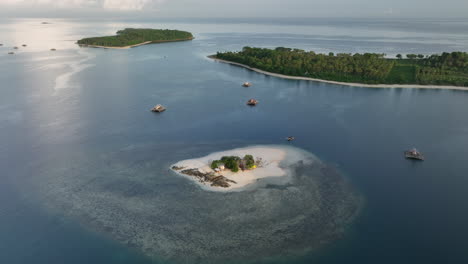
(290, 138)
(252, 102)
(247, 84)
(414, 154)
(158, 109)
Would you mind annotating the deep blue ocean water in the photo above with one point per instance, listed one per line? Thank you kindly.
(72, 119)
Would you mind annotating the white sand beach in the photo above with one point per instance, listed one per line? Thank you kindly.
(133, 46)
(109, 47)
(418, 86)
(275, 160)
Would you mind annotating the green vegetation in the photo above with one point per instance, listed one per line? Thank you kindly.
(235, 163)
(132, 36)
(249, 162)
(369, 68)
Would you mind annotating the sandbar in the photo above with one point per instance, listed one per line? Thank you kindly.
(274, 162)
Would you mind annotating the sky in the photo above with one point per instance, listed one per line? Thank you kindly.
(236, 8)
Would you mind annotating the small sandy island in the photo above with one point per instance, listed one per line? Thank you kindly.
(419, 86)
(269, 162)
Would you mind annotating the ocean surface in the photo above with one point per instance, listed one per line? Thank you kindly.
(77, 136)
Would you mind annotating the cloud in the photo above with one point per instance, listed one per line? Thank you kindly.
(129, 4)
(104, 4)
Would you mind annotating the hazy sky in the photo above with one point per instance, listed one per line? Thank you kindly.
(237, 8)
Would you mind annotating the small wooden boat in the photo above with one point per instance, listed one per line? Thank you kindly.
(252, 102)
(24, 45)
(53, 49)
(1, 44)
(290, 138)
(15, 48)
(158, 109)
(247, 84)
(414, 154)
(11, 53)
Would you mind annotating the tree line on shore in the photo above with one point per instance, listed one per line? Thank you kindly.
(370, 68)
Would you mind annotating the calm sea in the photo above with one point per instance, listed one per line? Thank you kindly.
(76, 135)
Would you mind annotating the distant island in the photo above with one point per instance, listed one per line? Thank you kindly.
(448, 70)
(133, 37)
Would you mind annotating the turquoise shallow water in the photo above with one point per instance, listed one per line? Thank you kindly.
(76, 122)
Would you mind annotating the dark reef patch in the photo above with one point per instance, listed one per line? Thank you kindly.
(138, 202)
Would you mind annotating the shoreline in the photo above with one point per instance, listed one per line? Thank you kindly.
(282, 76)
(132, 46)
(275, 160)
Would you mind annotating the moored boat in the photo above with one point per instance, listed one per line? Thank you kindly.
(414, 154)
(158, 109)
(252, 102)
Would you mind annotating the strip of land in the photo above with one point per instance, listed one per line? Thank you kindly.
(419, 86)
(448, 70)
(130, 38)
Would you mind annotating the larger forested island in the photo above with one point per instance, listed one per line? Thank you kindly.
(131, 37)
(369, 68)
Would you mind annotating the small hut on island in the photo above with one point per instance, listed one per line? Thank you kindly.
(158, 109)
(252, 102)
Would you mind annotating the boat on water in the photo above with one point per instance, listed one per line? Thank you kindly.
(414, 154)
(53, 49)
(290, 138)
(15, 48)
(158, 109)
(247, 84)
(252, 102)
(24, 45)
(11, 53)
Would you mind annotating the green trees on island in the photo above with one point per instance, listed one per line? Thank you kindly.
(234, 163)
(370, 68)
(133, 36)
(249, 161)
